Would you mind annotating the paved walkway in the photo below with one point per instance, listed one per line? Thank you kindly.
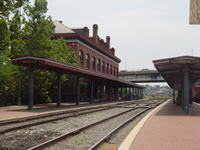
(169, 129)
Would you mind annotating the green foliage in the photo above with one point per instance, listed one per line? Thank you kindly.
(25, 29)
(7, 79)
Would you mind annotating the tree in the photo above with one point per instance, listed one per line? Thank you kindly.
(25, 29)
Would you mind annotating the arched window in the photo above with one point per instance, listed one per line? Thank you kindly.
(87, 57)
(107, 68)
(103, 67)
(111, 69)
(98, 64)
(93, 63)
(80, 55)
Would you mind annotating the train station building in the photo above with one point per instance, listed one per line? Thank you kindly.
(98, 65)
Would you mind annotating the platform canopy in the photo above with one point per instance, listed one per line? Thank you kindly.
(56, 66)
(172, 69)
(180, 73)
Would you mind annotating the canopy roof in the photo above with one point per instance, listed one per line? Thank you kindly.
(56, 66)
(172, 69)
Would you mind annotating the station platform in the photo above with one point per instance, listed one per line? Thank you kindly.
(166, 128)
(9, 113)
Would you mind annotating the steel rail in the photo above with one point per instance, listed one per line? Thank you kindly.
(64, 117)
(61, 137)
(97, 144)
(50, 120)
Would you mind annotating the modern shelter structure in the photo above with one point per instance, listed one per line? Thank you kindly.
(180, 73)
(98, 64)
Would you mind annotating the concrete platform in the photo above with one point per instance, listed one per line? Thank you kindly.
(21, 111)
(13, 113)
(167, 128)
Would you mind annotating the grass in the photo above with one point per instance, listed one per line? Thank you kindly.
(81, 139)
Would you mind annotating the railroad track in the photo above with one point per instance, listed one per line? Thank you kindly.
(25, 123)
(13, 136)
(94, 146)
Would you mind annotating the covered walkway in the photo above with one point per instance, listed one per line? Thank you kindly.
(105, 85)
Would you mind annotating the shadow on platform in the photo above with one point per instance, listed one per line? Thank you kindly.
(171, 109)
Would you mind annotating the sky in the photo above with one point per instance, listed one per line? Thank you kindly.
(140, 30)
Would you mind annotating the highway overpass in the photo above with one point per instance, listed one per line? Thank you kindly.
(141, 76)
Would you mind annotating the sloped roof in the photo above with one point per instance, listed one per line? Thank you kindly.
(61, 28)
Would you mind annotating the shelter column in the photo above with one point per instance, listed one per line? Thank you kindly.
(110, 92)
(186, 90)
(125, 93)
(121, 93)
(91, 90)
(101, 91)
(173, 96)
(117, 93)
(59, 89)
(30, 88)
(77, 90)
(130, 93)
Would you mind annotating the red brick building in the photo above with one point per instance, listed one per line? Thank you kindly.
(92, 52)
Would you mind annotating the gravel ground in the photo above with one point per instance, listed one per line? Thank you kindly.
(86, 139)
(25, 138)
(116, 140)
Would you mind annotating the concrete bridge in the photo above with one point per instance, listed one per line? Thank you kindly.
(141, 76)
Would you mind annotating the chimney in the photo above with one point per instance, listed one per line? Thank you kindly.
(86, 31)
(108, 41)
(113, 51)
(95, 33)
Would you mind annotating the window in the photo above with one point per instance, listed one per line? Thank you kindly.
(98, 64)
(103, 67)
(107, 68)
(111, 69)
(87, 57)
(114, 71)
(93, 63)
(80, 54)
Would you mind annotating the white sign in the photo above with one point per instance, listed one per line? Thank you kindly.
(194, 11)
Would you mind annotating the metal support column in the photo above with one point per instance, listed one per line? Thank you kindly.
(117, 93)
(121, 93)
(101, 91)
(110, 92)
(19, 86)
(125, 93)
(130, 93)
(59, 89)
(30, 89)
(186, 90)
(91, 90)
(77, 90)
(173, 96)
